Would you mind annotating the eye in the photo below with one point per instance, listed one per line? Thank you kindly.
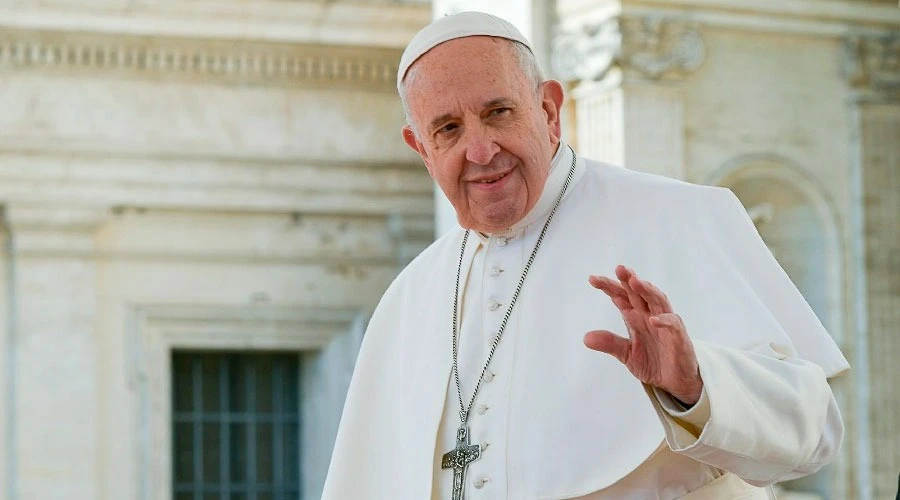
(446, 129)
(499, 111)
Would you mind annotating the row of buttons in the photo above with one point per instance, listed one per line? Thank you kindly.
(493, 305)
(481, 410)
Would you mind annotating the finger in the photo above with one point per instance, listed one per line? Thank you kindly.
(608, 342)
(624, 274)
(655, 298)
(612, 289)
(606, 283)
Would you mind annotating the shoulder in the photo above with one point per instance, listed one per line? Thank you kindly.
(403, 301)
(618, 178)
(624, 185)
(423, 265)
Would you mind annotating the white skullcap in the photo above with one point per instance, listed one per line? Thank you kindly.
(456, 26)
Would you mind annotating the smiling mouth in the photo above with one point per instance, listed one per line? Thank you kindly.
(493, 179)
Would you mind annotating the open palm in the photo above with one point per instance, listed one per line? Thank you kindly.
(658, 350)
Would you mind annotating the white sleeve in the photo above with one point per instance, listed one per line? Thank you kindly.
(762, 416)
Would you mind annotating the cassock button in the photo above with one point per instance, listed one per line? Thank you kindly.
(495, 271)
(481, 481)
(501, 242)
(494, 304)
(482, 409)
(488, 376)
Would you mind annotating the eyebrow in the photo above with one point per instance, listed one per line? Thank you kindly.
(503, 102)
(439, 120)
(493, 103)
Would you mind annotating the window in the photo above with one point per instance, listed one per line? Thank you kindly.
(236, 426)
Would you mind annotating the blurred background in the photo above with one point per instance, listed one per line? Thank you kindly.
(202, 202)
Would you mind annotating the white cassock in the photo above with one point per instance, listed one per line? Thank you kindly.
(556, 420)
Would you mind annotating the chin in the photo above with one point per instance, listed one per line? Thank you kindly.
(495, 219)
(495, 225)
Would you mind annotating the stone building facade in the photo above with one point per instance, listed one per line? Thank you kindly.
(192, 181)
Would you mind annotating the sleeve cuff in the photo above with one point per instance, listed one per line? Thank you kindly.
(692, 420)
(697, 415)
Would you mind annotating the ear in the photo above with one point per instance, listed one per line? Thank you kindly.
(552, 96)
(409, 136)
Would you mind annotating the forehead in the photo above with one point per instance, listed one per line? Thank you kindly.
(475, 68)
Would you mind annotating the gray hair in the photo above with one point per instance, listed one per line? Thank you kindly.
(524, 57)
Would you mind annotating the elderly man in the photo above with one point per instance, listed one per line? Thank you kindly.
(476, 378)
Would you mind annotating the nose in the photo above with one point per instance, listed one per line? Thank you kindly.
(480, 146)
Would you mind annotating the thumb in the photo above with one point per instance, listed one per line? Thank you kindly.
(608, 342)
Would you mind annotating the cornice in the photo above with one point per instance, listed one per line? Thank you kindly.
(389, 25)
(183, 182)
(207, 60)
(48, 217)
(833, 18)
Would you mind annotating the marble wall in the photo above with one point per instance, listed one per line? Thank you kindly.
(181, 178)
(879, 124)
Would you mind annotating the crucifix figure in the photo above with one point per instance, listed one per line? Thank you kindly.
(459, 458)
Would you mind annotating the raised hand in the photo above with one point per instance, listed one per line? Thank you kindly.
(658, 350)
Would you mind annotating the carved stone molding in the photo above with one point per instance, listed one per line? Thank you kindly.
(226, 61)
(587, 54)
(873, 62)
(62, 230)
(660, 48)
(70, 217)
(201, 183)
(653, 47)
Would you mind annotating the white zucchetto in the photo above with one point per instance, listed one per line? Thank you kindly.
(461, 25)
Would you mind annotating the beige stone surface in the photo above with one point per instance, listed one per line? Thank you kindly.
(221, 175)
(879, 125)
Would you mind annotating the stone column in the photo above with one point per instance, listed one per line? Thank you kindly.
(6, 354)
(872, 66)
(54, 407)
(626, 74)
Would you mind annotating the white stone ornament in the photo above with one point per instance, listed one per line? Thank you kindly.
(652, 47)
(587, 54)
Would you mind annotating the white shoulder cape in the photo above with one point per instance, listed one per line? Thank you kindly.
(578, 420)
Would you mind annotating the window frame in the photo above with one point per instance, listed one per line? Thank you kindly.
(154, 331)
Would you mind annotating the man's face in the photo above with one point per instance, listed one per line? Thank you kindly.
(485, 133)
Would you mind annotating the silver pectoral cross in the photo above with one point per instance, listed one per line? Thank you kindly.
(459, 458)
